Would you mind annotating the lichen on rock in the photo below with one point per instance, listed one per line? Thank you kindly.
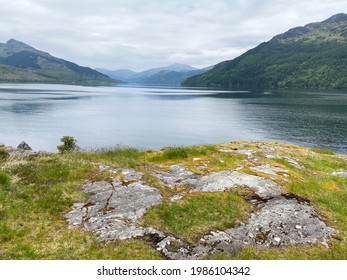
(114, 208)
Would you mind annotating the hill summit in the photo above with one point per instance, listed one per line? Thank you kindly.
(310, 56)
(20, 62)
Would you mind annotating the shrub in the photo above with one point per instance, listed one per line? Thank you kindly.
(69, 144)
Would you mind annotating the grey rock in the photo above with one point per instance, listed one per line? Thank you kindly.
(291, 161)
(269, 169)
(176, 249)
(179, 251)
(223, 180)
(15, 152)
(133, 200)
(294, 163)
(75, 216)
(277, 219)
(131, 175)
(108, 229)
(97, 187)
(24, 146)
(103, 168)
(113, 211)
(177, 175)
(342, 173)
(219, 181)
(277, 239)
(226, 150)
(248, 153)
(177, 196)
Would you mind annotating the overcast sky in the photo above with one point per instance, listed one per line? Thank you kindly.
(141, 34)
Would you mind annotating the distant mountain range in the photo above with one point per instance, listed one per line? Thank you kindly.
(171, 75)
(20, 62)
(312, 56)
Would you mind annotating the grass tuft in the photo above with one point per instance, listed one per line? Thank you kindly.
(3, 153)
(323, 151)
(4, 179)
(120, 156)
(182, 153)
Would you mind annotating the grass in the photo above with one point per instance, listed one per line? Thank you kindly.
(3, 153)
(181, 153)
(36, 191)
(31, 206)
(198, 214)
(120, 156)
(323, 151)
(4, 179)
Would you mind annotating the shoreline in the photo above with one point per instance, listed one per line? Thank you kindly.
(30, 151)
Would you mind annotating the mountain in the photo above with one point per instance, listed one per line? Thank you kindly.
(20, 62)
(169, 78)
(171, 75)
(177, 67)
(312, 56)
(121, 74)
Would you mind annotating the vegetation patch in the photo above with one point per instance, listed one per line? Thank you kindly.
(120, 156)
(197, 214)
(323, 151)
(181, 153)
(324, 163)
(3, 153)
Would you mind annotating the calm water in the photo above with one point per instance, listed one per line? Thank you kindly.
(159, 117)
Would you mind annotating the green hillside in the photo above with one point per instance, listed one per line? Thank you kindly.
(313, 56)
(22, 63)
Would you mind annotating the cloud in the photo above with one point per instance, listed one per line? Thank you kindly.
(139, 34)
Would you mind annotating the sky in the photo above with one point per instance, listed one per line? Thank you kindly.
(142, 34)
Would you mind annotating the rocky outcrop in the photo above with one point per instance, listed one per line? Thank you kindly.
(218, 181)
(114, 210)
(280, 218)
(278, 222)
(23, 150)
(24, 146)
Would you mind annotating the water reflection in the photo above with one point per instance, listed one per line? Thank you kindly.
(29, 108)
(184, 95)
